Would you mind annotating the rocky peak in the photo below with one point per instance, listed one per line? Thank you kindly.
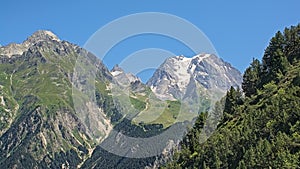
(122, 77)
(18, 49)
(41, 35)
(177, 74)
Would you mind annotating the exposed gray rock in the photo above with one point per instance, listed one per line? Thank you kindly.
(18, 49)
(179, 77)
(127, 80)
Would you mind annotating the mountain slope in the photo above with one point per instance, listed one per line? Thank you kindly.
(260, 129)
(40, 126)
(52, 113)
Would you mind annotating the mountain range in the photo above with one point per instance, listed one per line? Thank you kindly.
(60, 106)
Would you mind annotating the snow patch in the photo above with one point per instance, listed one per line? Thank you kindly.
(202, 73)
(2, 102)
(192, 68)
(181, 72)
(200, 57)
(225, 75)
(52, 35)
(116, 73)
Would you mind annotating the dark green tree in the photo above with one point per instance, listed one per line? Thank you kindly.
(292, 45)
(251, 78)
(233, 99)
(275, 62)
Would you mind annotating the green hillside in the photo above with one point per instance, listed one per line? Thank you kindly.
(260, 128)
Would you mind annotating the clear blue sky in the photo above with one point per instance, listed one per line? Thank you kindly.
(239, 30)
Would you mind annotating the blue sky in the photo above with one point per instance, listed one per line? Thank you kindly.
(239, 30)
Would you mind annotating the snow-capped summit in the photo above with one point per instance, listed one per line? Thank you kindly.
(178, 75)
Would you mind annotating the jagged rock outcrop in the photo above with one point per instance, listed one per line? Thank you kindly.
(127, 80)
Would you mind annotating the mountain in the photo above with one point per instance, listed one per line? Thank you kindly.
(40, 126)
(127, 80)
(180, 77)
(260, 128)
(60, 107)
(122, 77)
(18, 49)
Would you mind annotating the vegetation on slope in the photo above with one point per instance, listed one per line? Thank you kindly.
(260, 127)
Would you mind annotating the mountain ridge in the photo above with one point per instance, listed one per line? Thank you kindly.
(48, 118)
(19, 48)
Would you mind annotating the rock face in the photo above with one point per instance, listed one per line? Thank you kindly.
(18, 49)
(41, 35)
(178, 76)
(127, 80)
(122, 77)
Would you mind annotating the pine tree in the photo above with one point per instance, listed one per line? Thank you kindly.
(251, 78)
(233, 98)
(292, 48)
(274, 60)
